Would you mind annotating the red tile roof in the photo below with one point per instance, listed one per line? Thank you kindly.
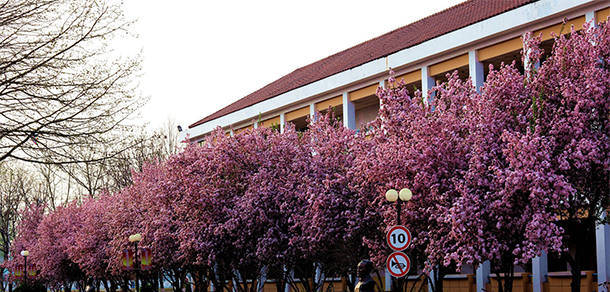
(435, 25)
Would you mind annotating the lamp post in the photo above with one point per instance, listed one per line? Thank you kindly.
(393, 196)
(25, 255)
(135, 239)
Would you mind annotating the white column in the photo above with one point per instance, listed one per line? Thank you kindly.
(282, 122)
(382, 84)
(349, 112)
(319, 278)
(388, 280)
(427, 81)
(432, 274)
(483, 272)
(261, 283)
(540, 270)
(287, 285)
(590, 17)
(312, 113)
(235, 283)
(527, 63)
(476, 69)
(255, 126)
(602, 240)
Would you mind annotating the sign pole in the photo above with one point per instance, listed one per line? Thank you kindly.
(398, 263)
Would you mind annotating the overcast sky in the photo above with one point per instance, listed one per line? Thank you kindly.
(200, 56)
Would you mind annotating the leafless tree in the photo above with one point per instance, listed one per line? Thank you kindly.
(19, 187)
(61, 87)
(114, 173)
(168, 132)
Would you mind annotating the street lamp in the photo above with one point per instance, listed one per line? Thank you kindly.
(392, 196)
(25, 255)
(135, 239)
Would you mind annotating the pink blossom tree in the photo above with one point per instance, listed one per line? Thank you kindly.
(91, 249)
(339, 215)
(56, 233)
(148, 207)
(27, 235)
(505, 210)
(271, 203)
(217, 233)
(420, 144)
(571, 102)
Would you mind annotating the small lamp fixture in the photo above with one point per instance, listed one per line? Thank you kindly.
(25, 253)
(391, 195)
(405, 195)
(135, 238)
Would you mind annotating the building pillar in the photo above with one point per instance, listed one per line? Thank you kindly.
(590, 17)
(427, 82)
(540, 270)
(261, 284)
(476, 69)
(527, 64)
(319, 278)
(431, 276)
(349, 112)
(287, 285)
(602, 240)
(312, 113)
(282, 122)
(483, 273)
(388, 280)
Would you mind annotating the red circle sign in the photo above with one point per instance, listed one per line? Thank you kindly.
(398, 238)
(398, 264)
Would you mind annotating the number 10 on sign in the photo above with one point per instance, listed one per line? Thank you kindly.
(399, 238)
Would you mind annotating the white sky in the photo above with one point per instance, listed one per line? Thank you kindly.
(201, 55)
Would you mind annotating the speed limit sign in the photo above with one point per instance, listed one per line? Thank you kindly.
(399, 238)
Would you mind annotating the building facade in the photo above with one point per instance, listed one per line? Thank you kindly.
(468, 38)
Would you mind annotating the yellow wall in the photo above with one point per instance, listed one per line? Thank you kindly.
(270, 122)
(335, 101)
(363, 92)
(243, 129)
(500, 49)
(297, 114)
(517, 44)
(602, 15)
(410, 77)
(546, 32)
(450, 64)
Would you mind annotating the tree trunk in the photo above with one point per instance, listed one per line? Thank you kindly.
(504, 276)
(438, 276)
(575, 267)
(581, 235)
(125, 284)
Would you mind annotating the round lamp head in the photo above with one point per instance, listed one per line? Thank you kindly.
(405, 194)
(135, 238)
(391, 195)
(25, 253)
